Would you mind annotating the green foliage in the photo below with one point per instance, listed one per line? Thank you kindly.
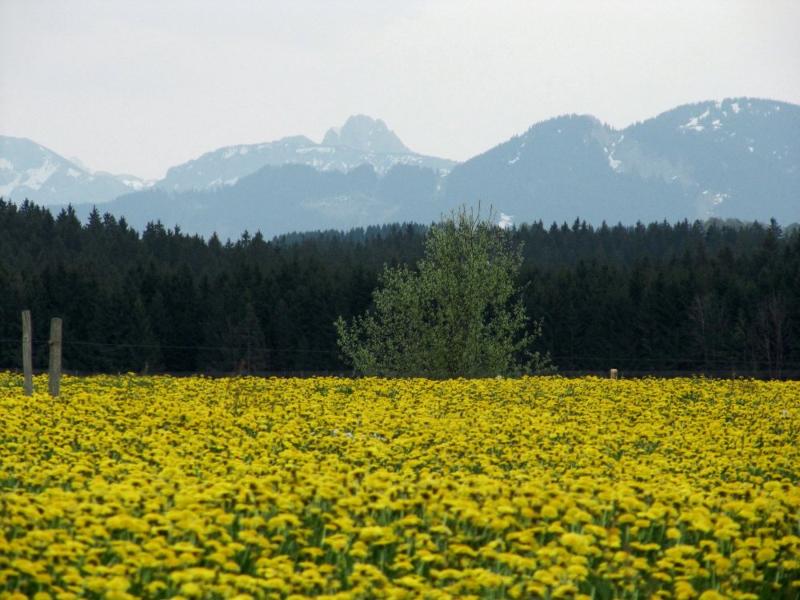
(458, 314)
(714, 297)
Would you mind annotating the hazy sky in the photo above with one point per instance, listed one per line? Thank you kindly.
(137, 86)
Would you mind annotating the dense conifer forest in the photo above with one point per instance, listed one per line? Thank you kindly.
(701, 297)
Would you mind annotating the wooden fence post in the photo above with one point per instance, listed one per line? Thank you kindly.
(613, 374)
(55, 357)
(27, 353)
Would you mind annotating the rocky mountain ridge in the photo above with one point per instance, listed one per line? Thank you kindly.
(738, 158)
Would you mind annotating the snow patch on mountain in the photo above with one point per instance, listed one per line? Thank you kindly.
(360, 141)
(317, 150)
(135, 183)
(29, 170)
(7, 188)
(39, 175)
(694, 122)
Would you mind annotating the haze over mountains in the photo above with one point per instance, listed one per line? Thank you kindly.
(738, 158)
(28, 170)
(360, 141)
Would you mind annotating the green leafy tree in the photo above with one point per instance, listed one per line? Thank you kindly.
(459, 313)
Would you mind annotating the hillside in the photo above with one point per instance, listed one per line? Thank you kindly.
(29, 170)
(737, 158)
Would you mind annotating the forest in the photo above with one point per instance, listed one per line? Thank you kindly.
(693, 297)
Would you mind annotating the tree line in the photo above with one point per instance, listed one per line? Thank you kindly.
(689, 296)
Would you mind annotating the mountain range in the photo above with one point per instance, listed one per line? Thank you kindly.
(738, 158)
(360, 141)
(28, 170)
(735, 158)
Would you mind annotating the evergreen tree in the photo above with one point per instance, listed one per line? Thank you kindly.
(702, 296)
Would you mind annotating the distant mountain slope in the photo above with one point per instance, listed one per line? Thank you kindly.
(282, 199)
(559, 170)
(734, 159)
(28, 170)
(361, 140)
(738, 158)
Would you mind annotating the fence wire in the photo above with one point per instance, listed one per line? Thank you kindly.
(630, 366)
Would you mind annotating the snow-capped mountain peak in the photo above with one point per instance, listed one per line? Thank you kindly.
(360, 141)
(29, 170)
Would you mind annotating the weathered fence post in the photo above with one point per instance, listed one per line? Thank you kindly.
(55, 357)
(27, 353)
(613, 373)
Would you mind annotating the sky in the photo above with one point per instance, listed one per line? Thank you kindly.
(137, 86)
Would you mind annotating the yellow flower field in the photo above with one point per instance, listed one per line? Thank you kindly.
(130, 486)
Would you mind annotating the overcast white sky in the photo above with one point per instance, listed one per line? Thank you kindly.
(137, 86)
